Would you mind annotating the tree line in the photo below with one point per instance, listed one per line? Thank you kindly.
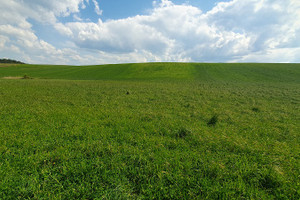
(6, 60)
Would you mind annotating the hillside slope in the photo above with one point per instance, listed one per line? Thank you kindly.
(246, 72)
(150, 131)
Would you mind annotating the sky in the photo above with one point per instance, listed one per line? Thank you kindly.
(86, 32)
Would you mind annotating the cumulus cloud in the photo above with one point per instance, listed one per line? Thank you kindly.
(19, 41)
(270, 21)
(231, 31)
(234, 31)
(120, 36)
(23, 43)
(43, 11)
(170, 32)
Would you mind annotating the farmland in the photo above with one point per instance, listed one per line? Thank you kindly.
(150, 131)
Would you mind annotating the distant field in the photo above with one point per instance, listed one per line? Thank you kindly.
(286, 73)
(150, 131)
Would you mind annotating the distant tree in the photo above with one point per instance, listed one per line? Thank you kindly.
(6, 60)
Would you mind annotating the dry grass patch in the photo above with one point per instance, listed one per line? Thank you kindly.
(7, 65)
(11, 77)
(17, 77)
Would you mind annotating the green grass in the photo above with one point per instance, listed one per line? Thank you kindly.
(150, 131)
(286, 73)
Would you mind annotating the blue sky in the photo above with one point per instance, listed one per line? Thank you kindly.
(118, 9)
(110, 10)
(116, 31)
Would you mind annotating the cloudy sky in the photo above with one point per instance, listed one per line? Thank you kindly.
(83, 32)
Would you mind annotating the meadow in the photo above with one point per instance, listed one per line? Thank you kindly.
(150, 131)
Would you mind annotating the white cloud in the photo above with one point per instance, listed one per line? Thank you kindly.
(63, 29)
(266, 20)
(19, 41)
(119, 36)
(239, 30)
(24, 44)
(280, 55)
(3, 40)
(97, 9)
(15, 12)
(170, 33)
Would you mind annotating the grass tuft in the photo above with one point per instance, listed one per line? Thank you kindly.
(183, 132)
(255, 109)
(26, 77)
(213, 120)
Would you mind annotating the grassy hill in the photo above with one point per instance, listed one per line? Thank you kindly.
(162, 71)
(150, 131)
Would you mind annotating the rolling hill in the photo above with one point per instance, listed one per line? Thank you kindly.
(246, 72)
(150, 131)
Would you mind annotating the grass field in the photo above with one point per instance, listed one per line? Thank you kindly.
(150, 131)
